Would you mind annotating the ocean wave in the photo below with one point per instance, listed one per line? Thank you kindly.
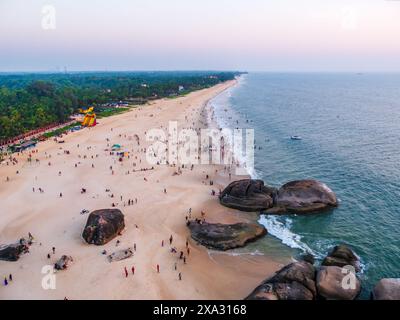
(279, 227)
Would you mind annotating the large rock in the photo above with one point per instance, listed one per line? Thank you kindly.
(12, 252)
(247, 195)
(225, 236)
(387, 289)
(342, 256)
(293, 282)
(103, 225)
(334, 284)
(304, 196)
(307, 257)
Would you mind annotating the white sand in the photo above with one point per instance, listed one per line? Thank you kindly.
(57, 222)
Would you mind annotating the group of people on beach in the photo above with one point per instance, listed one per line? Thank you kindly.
(181, 255)
(173, 250)
(8, 280)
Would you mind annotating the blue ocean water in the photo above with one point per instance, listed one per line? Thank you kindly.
(350, 125)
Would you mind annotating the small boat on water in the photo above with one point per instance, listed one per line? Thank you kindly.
(296, 138)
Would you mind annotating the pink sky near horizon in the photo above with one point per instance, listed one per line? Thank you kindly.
(296, 35)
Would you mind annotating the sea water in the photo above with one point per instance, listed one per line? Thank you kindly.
(350, 129)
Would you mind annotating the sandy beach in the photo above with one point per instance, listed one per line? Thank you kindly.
(56, 221)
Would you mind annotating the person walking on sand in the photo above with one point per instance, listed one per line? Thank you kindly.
(180, 276)
(133, 270)
(188, 250)
(10, 277)
(126, 272)
(158, 268)
(5, 281)
(54, 250)
(170, 239)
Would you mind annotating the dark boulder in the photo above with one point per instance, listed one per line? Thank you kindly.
(225, 236)
(293, 282)
(342, 256)
(335, 283)
(304, 196)
(308, 257)
(247, 195)
(103, 225)
(63, 262)
(12, 252)
(387, 289)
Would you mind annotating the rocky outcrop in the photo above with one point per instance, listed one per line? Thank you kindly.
(63, 262)
(387, 289)
(301, 196)
(247, 195)
(12, 252)
(225, 236)
(302, 281)
(103, 225)
(304, 196)
(342, 256)
(293, 282)
(120, 255)
(308, 257)
(333, 283)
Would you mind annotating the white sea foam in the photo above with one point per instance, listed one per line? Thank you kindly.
(217, 110)
(279, 227)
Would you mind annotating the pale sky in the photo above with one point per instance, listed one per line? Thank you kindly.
(252, 35)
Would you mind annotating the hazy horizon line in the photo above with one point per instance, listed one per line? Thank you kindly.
(190, 70)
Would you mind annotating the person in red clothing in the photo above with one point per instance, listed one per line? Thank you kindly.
(158, 268)
(126, 272)
(133, 270)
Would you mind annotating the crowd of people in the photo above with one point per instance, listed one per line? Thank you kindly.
(130, 163)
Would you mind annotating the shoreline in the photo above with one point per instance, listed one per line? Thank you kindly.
(56, 221)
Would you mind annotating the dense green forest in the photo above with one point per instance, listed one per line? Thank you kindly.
(31, 101)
